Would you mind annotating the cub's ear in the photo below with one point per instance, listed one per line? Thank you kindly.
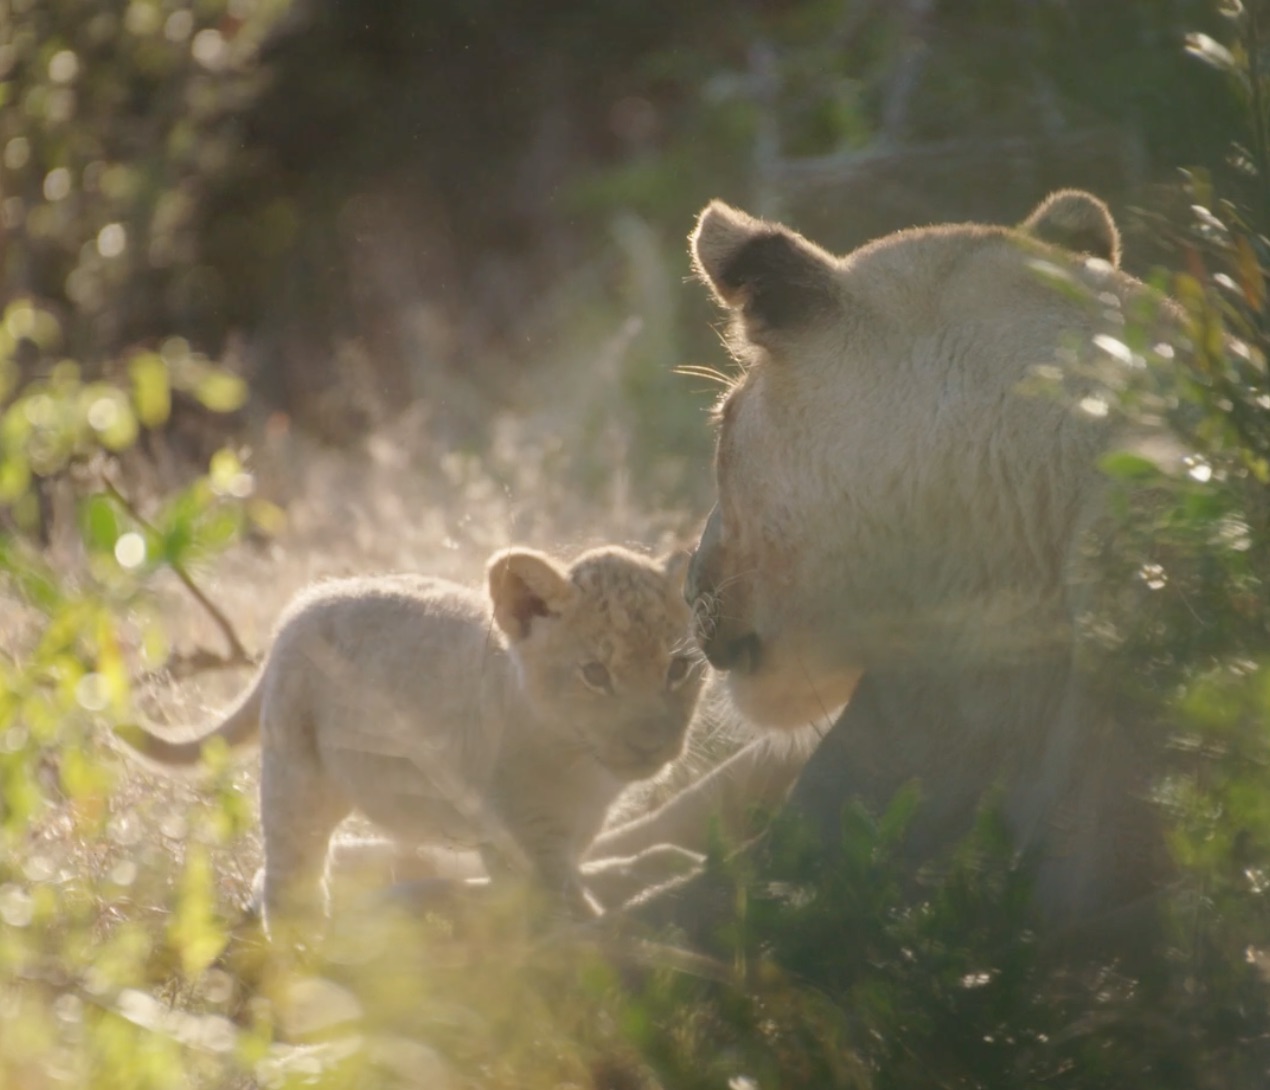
(774, 279)
(1077, 221)
(524, 584)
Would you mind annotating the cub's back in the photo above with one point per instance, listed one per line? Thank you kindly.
(367, 672)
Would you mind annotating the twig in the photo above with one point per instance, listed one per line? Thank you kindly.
(844, 167)
(185, 664)
(238, 654)
(1257, 107)
(637, 952)
(907, 71)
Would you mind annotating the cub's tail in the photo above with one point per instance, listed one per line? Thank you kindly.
(239, 727)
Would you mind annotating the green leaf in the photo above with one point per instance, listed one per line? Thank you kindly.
(1124, 465)
(1204, 504)
(1213, 703)
(227, 476)
(32, 577)
(110, 416)
(15, 477)
(151, 390)
(194, 930)
(266, 517)
(174, 545)
(99, 522)
(899, 813)
(10, 376)
(82, 775)
(221, 391)
(218, 528)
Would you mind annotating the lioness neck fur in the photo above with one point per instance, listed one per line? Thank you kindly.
(509, 723)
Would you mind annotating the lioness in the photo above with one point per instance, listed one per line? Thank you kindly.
(509, 724)
(897, 500)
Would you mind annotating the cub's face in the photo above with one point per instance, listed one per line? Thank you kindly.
(876, 460)
(605, 652)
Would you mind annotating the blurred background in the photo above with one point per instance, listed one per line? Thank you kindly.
(296, 288)
(453, 209)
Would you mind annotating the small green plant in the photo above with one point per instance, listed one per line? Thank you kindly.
(83, 949)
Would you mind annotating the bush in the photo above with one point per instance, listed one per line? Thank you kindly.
(120, 963)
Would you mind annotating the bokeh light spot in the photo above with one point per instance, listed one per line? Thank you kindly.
(179, 26)
(92, 692)
(57, 184)
(130, 550)
(112, 240)
(63, 66)
(17, 152)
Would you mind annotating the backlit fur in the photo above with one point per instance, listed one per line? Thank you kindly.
(897, 497)
(451, 718)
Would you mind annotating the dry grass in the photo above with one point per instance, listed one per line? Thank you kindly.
(419, 494)
(403, 500)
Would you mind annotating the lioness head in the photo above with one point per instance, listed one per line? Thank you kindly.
(887, 485)
(604, 650)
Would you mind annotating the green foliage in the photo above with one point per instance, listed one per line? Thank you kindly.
(129, 207)
(111, 142)
(78, 960)
(847, 972)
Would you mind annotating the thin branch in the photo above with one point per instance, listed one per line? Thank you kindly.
(180, 665)
(855, 166)
(1257, 106)
(907, 71)
(238, 654)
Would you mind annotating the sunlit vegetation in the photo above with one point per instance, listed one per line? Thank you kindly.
(265, 317)
(843, 973)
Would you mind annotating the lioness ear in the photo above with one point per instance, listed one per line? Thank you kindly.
(772, 277)
(524, 584)
(1078, 221)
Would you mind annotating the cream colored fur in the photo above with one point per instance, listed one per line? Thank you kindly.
(729, 802)
(752, 782)
(508, 724)
(896, 498)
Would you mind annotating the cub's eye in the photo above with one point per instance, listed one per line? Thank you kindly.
(596, 675)
(679, 668)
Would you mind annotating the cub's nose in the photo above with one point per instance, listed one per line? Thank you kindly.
(659, 740)
(646, 747)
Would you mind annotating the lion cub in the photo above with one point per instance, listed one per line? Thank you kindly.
(508, 724)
